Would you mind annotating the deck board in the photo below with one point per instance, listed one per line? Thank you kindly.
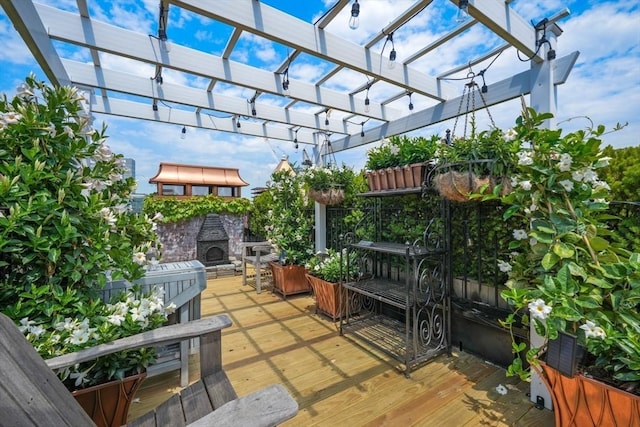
(340, 381)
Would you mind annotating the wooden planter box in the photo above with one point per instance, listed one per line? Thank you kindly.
(328, 295)
(289, 279)
(582, 401)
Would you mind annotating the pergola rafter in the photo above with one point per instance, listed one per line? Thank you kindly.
(302, 114)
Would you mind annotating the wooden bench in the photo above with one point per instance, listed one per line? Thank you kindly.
(32, 395)
(258, 255)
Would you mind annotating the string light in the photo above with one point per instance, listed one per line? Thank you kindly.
(392, 55)
(252, 103)
(295, 139)
(362, 129)
(354, 21)
(410, 103)
(463, 10)
(285, 82)
(183, 135)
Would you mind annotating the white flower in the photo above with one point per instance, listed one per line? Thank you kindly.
(115, 319)
(510, 135)
(577, 176)
(139, 258)
(51, 130)
(524, 158)
(526, 185)
(11, 117)
(519, 234)
(170, 308)
(501, 390)
(78, 336)
(25, 324)
(66, 129)
(566, 184)
(591, 330)
(590, 175)
(36, 330)
(539, 309)
(505, 267)
(599, 185)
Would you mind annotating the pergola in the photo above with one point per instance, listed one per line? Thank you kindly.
(304, 111)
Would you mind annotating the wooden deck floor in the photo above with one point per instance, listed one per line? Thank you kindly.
(338, 381)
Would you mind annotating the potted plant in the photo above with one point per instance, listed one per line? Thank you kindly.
(64, 220)
(568, 275)
(327, 185)
(325, 271)
(476, 164)
(399, 162)
(289, 227)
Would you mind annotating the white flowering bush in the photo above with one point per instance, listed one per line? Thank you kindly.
(332, 264)
(566, 273)
(289, 221)
(130, 313)
(65, 226)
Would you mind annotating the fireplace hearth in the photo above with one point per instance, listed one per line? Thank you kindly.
(213, 242)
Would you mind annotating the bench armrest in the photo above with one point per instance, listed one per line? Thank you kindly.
(269, 406)
(164, 335)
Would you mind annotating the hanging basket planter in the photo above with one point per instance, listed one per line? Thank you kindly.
(332, 196)
(459, 185)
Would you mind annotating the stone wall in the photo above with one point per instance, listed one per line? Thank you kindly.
(179, 239)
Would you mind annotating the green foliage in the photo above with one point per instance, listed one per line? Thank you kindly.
(174, 209)
(66, 222)
(330, 266)
(492, 145)
(565, 270)
(65, 225)
(258, 213)
(623, 173)
(402, 150)
(289, 226)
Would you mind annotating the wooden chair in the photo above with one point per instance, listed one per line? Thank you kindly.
(32, 395)
(258, 255)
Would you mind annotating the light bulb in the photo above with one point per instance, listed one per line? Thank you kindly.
(367, 106)
(354, 21)
(183, 135)
(463, 11)
(392, 59)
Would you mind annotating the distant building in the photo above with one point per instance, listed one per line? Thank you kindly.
(130, 166)
(180, 180)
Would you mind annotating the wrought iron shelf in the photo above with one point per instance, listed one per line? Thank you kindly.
(387, 291)
(394, 192)
(389, 336)
(397, 249)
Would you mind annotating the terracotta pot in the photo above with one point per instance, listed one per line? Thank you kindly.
(399, 177)
(585, 402)
(391, 178)
(371, 180)
(289, 279)
(418, 170)
(108, 404)
(376, 179)
(330, 197)
(382, 175)
(408, 176)
(327, 296)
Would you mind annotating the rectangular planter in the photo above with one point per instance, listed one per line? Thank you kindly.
(327, 296)
(289, 279)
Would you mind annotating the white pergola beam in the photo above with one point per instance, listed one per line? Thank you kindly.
(137, 110)
(502, 91)
(270, 23)
(100, 77)
(71, 28)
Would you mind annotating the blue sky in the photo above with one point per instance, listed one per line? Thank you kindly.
(604, 84)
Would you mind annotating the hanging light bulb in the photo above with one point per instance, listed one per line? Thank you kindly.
(285, 82)
(367, 104)
(410, 103)
(463, 10)
(362, 129)
(354, 21)
(392, 55)
(183, 135)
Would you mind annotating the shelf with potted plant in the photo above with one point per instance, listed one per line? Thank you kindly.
(570, 276)
(399, 164)
(324, 273)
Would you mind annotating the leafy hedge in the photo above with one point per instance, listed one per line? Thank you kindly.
(174, 209)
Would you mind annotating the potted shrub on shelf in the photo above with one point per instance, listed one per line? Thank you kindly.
(476, 165)
(325, 271)
(569, 276)
(289, 227)
(65, 223)
(400, 161)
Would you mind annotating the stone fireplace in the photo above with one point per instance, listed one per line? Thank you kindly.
(213, 242)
